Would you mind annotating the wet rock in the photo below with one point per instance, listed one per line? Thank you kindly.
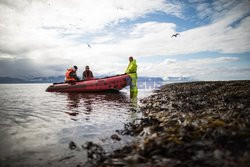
(94, 151)
(72, 145)
(115, 137)
(218, 154)
(72, 113)
(164, 106)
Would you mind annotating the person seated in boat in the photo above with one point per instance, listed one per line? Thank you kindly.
(87, 74)
(70, 75)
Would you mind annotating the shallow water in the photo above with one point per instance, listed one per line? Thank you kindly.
(37, 126)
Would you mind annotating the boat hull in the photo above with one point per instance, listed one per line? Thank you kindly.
(109, 84)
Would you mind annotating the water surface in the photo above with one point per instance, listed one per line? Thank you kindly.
(37, 126)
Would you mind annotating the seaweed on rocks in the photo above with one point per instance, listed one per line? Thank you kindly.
(190, 124)
(94, 151)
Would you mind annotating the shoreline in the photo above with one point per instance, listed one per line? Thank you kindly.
(189, 124)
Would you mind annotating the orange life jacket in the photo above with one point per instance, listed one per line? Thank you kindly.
(67, 75)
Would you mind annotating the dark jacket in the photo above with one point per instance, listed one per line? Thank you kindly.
(73, 74)
(87, 75)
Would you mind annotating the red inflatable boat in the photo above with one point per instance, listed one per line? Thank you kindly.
(114, 83)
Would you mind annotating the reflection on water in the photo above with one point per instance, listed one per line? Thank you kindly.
(37, 126)
(88, 100)
(73, 100)
(134, 100)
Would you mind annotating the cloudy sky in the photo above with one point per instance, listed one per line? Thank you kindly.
(45, 37)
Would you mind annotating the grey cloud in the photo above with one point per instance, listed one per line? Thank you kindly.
(26, 68)
(17, 67)
(17, 4)
(14, 51)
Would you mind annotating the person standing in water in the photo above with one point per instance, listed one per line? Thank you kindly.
(132, 72)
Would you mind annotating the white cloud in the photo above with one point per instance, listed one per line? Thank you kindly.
(169, 61)
(152, 38)
(78, 16)
(55, 33)
(203, 69)
(149, 28)
(102, 39)
(214, 10)
(46, 31)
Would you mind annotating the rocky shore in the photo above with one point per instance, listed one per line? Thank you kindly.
(188, 124)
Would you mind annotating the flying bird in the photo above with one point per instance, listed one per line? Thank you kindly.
(89, 45)
(175, 35)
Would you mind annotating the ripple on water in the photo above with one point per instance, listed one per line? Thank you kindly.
(41, 124)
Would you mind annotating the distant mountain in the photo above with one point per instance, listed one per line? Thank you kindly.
(178, 79)
(150, 79)
(12, 80)
(47, 79)
(32, 80)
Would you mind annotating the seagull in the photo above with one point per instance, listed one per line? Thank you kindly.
(88, 45)
(175, 35)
